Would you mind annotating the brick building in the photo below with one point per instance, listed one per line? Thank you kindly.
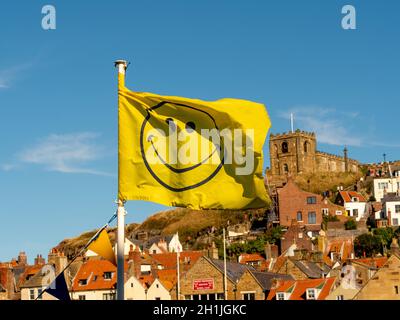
(296, 234)
(305, 207)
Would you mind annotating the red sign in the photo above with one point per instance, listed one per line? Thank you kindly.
(203, 284)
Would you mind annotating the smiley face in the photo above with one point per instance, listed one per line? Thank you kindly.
(173, 148)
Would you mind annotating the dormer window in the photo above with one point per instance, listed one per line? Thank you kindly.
(107, 275)
(83, 282)
(354, 199)
(281, 296)
(311, 294)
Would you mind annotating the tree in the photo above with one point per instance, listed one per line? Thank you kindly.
(368, 245)
(350, 224)
(385, 234)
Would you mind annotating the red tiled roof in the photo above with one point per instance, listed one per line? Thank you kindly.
(168, 260)
(348, 195)
(297, 288)
(167, 275)
(167, 284)
(372, 262)
(250, 257)
(344, 246)
(29, 272)
(146, 280)
(279, 262)
(93, 271)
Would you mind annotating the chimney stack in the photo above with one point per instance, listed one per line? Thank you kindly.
(22, 259)
(137, 262)
(39, 260)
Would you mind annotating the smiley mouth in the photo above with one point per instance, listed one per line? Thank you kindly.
(178, 170)
(193, 184)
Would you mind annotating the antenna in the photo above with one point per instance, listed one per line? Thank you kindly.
(292, 122)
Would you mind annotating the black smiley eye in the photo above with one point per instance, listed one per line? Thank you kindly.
(190, 126)
(171, 124)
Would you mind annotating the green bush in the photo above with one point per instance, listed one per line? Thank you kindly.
(350, 224)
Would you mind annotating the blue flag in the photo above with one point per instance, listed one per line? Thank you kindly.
(60, 290)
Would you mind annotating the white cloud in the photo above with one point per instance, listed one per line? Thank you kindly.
(9, 75)
(67, 153)
(331, 126)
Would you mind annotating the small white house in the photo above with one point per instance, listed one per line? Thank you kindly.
(354, 203)
(134, 289)
(159, 290)
(391, 209)
(166, 244)
(383, 186)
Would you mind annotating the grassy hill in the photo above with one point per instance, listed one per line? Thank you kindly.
(324, 181)
(189, 223)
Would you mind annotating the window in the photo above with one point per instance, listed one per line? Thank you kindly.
(395, 222)
(131, 284)
(338, 212)
(82, 297)
(396, 289)
(299, 216)
(383, 185)
(40, 297)
(32, 294)
(154, 251)
(325, 211)
(311, 200)
(340, 297)
(300, 235)
(312, 218)
(94, 278)
(83, 282)
(310, 294)
(249, 296)
(306, 146)
(285, 168)
(157, 298)
(107, 275)
(354, 199)
(280, 296)
(397, 208)
(285, 147)
(355, 213)
(108, 296)
(220, 296)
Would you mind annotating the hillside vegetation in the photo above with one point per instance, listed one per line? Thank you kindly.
(324, 181)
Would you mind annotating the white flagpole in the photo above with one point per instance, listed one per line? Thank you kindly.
(121, 65)
(178, 275)
(225, 282)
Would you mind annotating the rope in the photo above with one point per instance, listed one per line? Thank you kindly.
(96, 235)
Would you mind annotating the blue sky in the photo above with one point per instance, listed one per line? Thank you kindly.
(58, 113)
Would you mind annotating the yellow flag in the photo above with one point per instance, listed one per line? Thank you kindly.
(102, 246)
(190, 153)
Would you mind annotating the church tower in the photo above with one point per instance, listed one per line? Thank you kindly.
(292, 153)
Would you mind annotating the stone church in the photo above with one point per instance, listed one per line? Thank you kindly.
(296, 152)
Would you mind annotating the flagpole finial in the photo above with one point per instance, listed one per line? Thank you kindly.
(122, 65)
